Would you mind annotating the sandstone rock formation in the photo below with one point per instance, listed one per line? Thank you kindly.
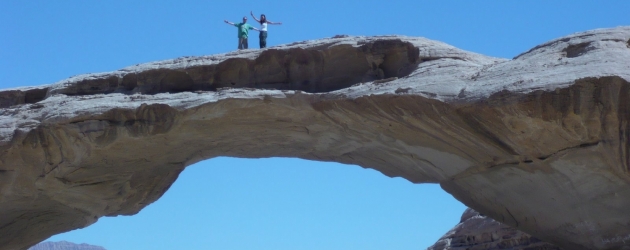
(478, 232)
(539, 142)
(64, 245)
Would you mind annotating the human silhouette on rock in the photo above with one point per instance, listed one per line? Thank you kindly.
(243, 32)
(262, 38)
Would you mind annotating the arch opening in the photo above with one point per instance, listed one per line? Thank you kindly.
(281, 203)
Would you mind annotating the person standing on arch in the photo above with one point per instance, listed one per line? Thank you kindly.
(243, 32)
(263, 28)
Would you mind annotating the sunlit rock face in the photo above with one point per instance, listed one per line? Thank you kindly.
(479, 232)
(539, 142)
(64, 245)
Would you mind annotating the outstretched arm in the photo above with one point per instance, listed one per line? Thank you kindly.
(277, 23)
(252, 13)
(230, 23)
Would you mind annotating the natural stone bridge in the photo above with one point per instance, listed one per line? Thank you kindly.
(539, 142)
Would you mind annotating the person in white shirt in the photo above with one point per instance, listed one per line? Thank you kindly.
(263, 28)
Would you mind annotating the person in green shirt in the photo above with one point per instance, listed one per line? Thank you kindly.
(243, 32)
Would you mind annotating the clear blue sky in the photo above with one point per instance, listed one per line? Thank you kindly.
(274, 203)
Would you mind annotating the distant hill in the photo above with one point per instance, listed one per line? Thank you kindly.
(64, 245)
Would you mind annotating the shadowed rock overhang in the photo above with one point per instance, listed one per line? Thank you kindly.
(312, 70)
(539, 142)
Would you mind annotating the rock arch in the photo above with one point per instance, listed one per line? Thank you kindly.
(524, 141)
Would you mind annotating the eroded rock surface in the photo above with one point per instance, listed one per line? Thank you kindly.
(64, 245)
(478, 232)
(539, 142)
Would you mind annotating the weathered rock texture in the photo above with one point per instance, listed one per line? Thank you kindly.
(64, 245)
(478, 232)
(539, 142)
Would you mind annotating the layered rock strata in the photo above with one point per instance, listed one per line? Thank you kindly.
(539, 142)
(64, 245)
(478, 232)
